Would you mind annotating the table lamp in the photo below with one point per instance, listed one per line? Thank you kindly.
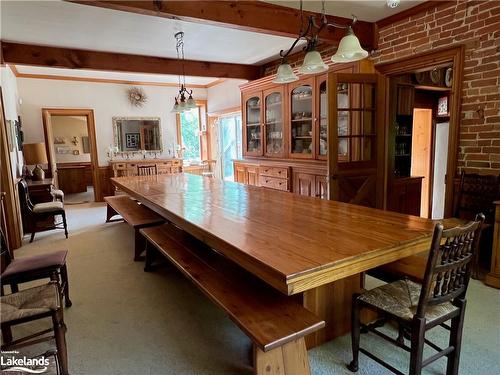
(34, 154)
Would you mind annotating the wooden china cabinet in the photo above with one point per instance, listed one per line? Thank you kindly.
(285, 143)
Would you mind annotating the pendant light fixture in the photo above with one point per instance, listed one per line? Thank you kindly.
(349, 48)
(182, 103)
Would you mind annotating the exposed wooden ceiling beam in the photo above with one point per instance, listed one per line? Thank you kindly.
(411, 12)
(57, 57)
(254, 16)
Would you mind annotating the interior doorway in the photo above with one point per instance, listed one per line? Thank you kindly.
(438, 76)
(72, 153)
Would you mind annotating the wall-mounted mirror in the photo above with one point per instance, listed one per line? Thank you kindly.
(137, 133)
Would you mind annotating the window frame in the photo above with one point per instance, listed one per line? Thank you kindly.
(204, 131)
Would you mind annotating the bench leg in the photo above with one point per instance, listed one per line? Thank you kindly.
(150, 256)
(289, 359)
(140, 244)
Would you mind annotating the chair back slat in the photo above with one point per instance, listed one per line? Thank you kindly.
(448, 268)
(147, 170)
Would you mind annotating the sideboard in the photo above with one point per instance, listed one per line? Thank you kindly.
(129, 167)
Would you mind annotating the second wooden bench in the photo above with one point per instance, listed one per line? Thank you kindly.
(275, 323)
(136, 215)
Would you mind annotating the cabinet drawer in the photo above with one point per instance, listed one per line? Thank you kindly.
(273, 183)
(273, 171)
(118, 166)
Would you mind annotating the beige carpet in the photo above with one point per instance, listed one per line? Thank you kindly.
(125, 321)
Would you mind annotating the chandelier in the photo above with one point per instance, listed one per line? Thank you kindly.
(181, 103)
(349, 48)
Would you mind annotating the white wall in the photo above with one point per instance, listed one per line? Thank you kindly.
(106, 99)
(225, 95)
(8, 83)
(68, 127)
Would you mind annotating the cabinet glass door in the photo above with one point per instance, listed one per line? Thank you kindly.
(253, 127)
(322, 142)
(355, 169)
(302, 131)
(273, 123)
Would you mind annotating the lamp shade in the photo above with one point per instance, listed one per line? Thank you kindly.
(349, 49)
(285, 74)
(313, 63)
(34, 153)
(190, 103)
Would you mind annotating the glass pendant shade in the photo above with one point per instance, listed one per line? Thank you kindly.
(175, 108)
(182, 106)
(190, 103)
(349, 49)
(313, 63)
(285, 74)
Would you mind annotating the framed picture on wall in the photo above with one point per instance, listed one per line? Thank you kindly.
(132, 140)
(443, 107)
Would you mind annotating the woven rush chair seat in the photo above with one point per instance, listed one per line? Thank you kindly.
(35, 262)
(400, 299)
(47, 207)
(30, 302)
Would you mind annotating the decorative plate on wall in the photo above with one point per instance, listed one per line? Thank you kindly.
(448, 78)
(436, 76)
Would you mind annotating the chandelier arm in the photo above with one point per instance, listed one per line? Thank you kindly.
(341, 26)
(302, 35)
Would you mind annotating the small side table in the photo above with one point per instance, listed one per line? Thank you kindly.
(493, 277)
(40, 190)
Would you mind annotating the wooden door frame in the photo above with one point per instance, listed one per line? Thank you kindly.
(426, 60)
(94, 161)
(8, 186)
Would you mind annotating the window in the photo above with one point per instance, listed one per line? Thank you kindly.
(230, 143)
(192, 135)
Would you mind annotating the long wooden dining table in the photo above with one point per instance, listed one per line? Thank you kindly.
(303, 246)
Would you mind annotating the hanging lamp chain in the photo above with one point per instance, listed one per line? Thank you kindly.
(179, 46)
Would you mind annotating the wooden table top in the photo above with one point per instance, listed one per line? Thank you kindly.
(292, 242)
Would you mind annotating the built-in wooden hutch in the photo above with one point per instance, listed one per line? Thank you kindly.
(285, 141)
(285, 144)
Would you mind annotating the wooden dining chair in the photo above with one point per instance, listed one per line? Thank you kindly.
(147, 170)
(418, 308)
(477, 193)
(35, 214)
(17, 271)
(33, 304)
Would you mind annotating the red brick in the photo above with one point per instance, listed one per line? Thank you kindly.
(483, 157)
(488, 135)
(492, 150)
(478, 164)
(494, 119)
(484, 142)
(484, 82)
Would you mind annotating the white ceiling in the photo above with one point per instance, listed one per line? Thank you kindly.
(72, 25)
(119, 76)
(366, 10)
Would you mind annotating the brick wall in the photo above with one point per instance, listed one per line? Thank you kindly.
(475, 24)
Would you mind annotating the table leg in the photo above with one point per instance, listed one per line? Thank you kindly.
(333, 303)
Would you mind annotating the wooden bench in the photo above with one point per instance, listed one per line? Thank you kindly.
(275, 323)
(136, 215)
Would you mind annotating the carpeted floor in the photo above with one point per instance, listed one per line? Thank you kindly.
(127, 322)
